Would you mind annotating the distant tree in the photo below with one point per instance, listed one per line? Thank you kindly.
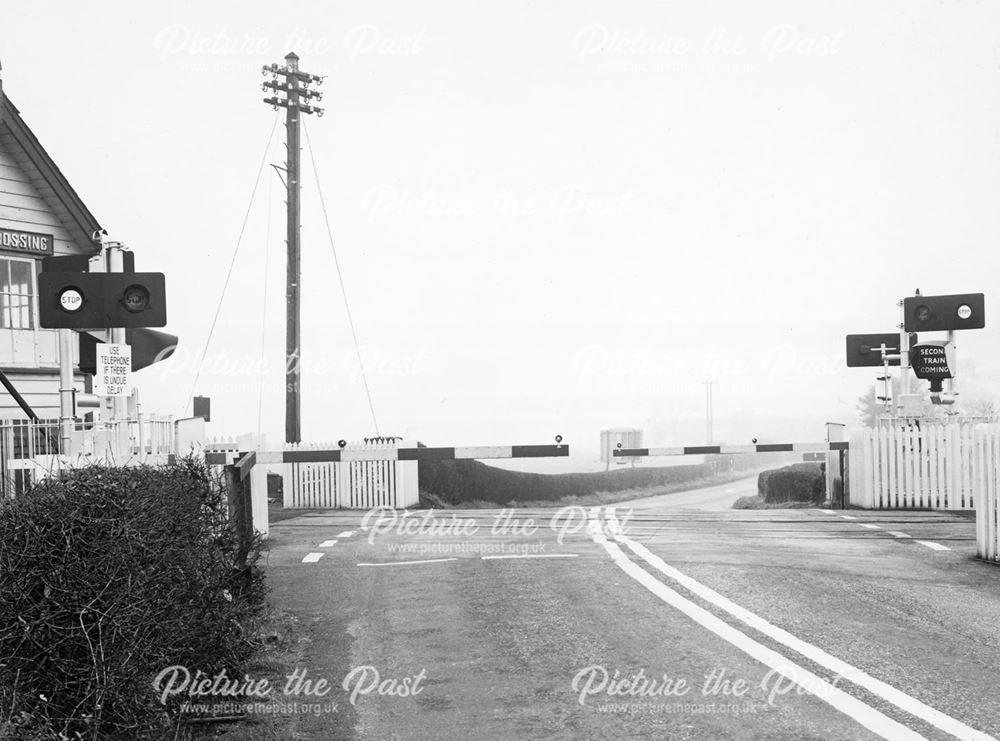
(976, 405)
(869, 407)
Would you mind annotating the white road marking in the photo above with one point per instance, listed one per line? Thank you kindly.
(935, 546)
(346, 534)
(730, 491)
(848, 517)
(407, 563)
(533, 555)
(328, 544)
(817, 655)
(864, 714)
(897, 534)
(312, 558)
(828, 511)
(870, 527)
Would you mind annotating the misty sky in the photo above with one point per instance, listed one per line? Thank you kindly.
(551, 217)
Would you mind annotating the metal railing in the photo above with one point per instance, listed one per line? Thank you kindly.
(30, 450)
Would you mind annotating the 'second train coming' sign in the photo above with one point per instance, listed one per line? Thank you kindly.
(29, 242)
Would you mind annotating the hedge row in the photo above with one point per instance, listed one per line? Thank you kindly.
(107, 577)
(461, 481)
(800, 482)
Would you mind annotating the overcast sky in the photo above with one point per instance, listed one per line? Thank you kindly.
(552, 217)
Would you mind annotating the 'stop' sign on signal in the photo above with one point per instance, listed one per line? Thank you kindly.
(937, 313)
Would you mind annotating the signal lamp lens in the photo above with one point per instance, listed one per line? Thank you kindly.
(136, 299)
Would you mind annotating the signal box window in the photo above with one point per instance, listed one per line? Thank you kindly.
(17, 294)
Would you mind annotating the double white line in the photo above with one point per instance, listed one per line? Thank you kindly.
(609, 535)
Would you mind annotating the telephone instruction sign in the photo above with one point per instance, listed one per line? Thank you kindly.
(114, 370)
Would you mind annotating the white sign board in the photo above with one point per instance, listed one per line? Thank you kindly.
(114, 370)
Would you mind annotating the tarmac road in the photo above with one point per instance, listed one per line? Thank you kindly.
(670, 617)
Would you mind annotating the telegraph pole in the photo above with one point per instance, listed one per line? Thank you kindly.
(295, 86)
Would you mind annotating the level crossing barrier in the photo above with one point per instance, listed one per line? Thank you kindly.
(835, 450)
(372, 473)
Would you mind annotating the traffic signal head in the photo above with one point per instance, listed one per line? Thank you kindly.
(101, 300)
(938, 313)
(864, 350)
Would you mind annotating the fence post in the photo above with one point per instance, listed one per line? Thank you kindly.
(238, 501)
(979, 482)
(988, 500)
(257, 484)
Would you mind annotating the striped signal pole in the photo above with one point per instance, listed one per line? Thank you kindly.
(294, 84)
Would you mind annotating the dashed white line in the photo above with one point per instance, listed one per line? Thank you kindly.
(870, 527)
(407, 563)
(328, 544)
(848, 517)
(897, 534)
(934, 546)
(532, 555)
(346, 534)
(828, 511)
(312, 558)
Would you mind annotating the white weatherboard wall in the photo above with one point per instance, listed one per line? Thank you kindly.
(24, 208)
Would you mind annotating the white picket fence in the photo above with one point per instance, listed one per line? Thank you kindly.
(913, 466)
(986, 483)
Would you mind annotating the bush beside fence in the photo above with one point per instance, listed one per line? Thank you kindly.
(108, 576)
(801, 482)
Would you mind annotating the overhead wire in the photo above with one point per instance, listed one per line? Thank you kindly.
(232, 262)
(340, 278)
(263, 321)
